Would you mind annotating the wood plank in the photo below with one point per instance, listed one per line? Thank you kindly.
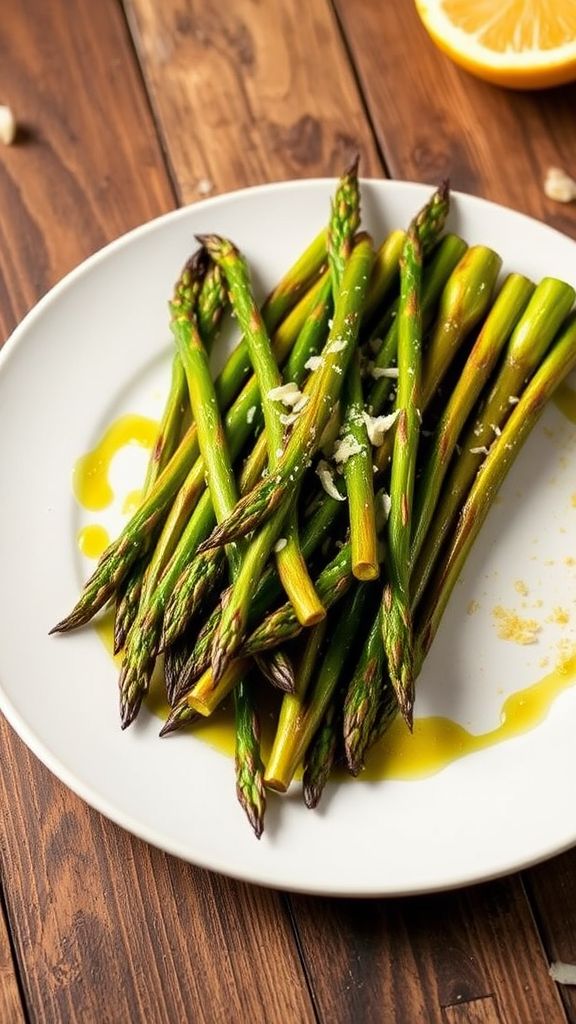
(11, 1009)
(552, 890)
(241, 95)
(408, 960)
(106, 928)
(434, 120)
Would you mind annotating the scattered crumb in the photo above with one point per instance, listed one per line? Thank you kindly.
(559, 616)
(544, 662)
(314, 363)
(549, 561)
(510, 626)
(7, 126)
(559, 186)
(521, 588)
(204, 186)
(538, 603)
(473, 606)
(569, 560)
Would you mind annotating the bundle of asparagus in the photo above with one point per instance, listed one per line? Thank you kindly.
(346, 456)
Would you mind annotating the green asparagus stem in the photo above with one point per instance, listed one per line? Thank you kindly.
(443, 262)
(396, 619)
(293, 703)
(175, 657)
(326, 384)
(384, 276)
(127, 601)
(525, 414)
(319, 695)
(363, 697)
(497, 328)
(539, 323)
(321, 755)
(248, 760)
(359, 477)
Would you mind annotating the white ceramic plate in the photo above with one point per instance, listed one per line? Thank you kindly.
(98, 346)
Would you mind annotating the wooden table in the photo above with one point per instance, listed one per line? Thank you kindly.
(125, 112)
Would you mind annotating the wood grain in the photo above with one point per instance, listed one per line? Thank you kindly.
(552, 890)
(409, 960)
(433, 120)
(476, 1011)
(110, 929)
(250, 91)
(11, 1009)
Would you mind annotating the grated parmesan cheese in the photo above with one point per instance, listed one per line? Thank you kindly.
(382, 504)
(280, 544)
(314, 363)
(378, 426)
(513, 399)
(7, 126)
(289, 394)
(251, 414)
(326, 478)
(337, 345)
(384, 371)
(288, 418)
(345, 448)
(496, 429)
(481, 450)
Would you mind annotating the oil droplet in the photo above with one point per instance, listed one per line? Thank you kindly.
(90, 479)
(564, 398)
(436, 742)
(132, 502)
(93, 540)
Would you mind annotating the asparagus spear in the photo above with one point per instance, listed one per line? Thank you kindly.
(359, 477)
(525, 414)
(443, 262)
(363, 697)
(277, 668)
(498, 326)
(248, 761)
(545, 312)
(292, 705)
(292, 569)
(127, 601)
(175, 657)
(396, 619)
(222, 487)
(326, 384)
(318, 698)
(321, 755)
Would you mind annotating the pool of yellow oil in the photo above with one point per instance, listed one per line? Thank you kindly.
(435, 743)
(93, 540)
(565, 400)
(90, 481)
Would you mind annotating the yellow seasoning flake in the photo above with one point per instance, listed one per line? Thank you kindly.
(510, 626)
(472, 607)
(559, 616)
(521, 588)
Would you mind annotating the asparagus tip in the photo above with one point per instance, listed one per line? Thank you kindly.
(405, 699)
